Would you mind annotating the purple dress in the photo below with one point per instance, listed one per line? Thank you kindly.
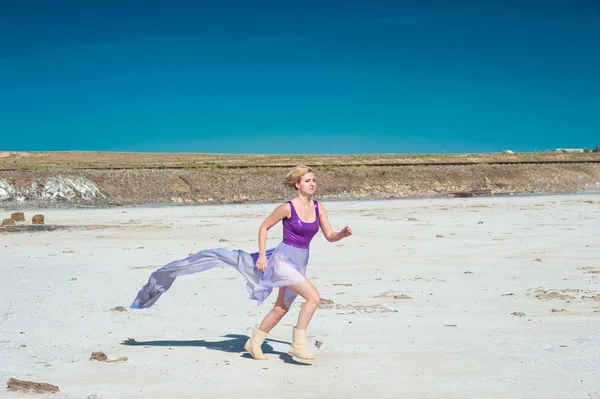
(286, 264)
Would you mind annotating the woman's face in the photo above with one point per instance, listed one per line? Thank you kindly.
(307, 184)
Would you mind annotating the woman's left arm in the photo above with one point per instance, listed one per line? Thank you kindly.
(330, 235)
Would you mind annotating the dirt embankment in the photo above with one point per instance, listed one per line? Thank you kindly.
(101, 187)
(124, 160)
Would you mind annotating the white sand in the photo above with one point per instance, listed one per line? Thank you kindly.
(455, 337)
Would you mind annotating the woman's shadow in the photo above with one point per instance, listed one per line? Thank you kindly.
(233, 344)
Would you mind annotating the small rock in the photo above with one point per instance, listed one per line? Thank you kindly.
(38, 219)
(119, 309)
(18, 217)
(318, 344)
(449, 325)
(93, 397)
(223, 240)
(325, 303)
(537, 260)
(468, 272)
(439, 236)
(73, 279)
(9, 222)
(558, 310)
(101, 357)
(518, 314)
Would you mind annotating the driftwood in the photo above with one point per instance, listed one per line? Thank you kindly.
(15, 385)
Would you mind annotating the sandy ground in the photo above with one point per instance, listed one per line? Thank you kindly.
(466, 265)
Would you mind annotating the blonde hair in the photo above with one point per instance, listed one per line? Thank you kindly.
(293, 177)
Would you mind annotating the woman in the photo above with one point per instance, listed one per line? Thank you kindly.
(283, 267)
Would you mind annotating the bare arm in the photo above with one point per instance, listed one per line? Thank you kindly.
(330, 235)
(282, 211)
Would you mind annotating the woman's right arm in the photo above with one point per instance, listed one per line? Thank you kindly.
(282, 211)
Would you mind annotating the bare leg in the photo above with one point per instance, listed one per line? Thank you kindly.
(278, 311)
(259, 333)
(306, 290)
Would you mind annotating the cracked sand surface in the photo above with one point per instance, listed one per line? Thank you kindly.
(420, 316)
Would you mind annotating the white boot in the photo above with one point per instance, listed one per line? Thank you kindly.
(298, 348)
(254, 342)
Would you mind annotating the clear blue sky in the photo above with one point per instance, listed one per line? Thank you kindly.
(288, 76)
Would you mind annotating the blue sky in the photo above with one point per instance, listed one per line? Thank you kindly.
(299, 76)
